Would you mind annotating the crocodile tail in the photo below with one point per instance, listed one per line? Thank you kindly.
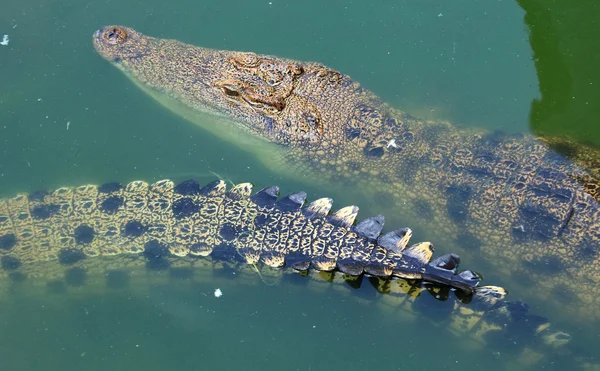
(507, 323)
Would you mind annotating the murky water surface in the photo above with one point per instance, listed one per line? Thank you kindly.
(67, 117)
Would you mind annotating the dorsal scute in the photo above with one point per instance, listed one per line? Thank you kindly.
(447, 262)
(190, 187)
(292, 202)
(395, 240)
(214, 189)
(422, 252)
(344, 217)
(266, 196)
(370, 228)
(470, 276)
(164, 186)
(240, 191)
(318, 209)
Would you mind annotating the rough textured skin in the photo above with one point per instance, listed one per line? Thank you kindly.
(61, 238)
(187, 220)
(529, 211)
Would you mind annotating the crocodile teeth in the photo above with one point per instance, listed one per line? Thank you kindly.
(370, 228)
(421, 251)
(344, 217)
(318, 208)
(214, 189)
(395, 240)
(292, 202)
(266, 196)
(240, 192)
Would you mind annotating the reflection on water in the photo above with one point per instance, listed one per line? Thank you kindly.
(178, 323)
(563, 39)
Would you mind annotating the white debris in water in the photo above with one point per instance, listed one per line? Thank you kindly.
(218, 293)
(4, 40)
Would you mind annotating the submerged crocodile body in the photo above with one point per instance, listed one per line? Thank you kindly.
(530, 212)
(111, 231)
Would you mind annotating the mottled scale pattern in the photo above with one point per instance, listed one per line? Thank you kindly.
(162, 221)
(532, 213)
(109, 231)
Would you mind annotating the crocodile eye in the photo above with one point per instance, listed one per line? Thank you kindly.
(115, 35)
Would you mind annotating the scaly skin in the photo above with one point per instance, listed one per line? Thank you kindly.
(112, 233)
(532, 213)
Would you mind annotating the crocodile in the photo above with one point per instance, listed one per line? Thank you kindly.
(530, 212)
(59, 238)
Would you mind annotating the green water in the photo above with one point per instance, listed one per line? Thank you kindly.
(67, 117)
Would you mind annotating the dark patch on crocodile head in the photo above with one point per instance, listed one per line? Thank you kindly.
(84, 235)
(156, 255)
(134, 228)
(8, 241)
(110, 187)
(227, 232)
(75, 276)
(42, 212)
(117, 279)
(70, 256)
(423, 209)
(188, 187)
(184, 208)
(181, 273)
(544, 265)
(10, 263)
(458, 197)
(112, 204)
(38, 196)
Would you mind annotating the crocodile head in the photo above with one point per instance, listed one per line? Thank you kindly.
(283, 101)
(165, 68)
